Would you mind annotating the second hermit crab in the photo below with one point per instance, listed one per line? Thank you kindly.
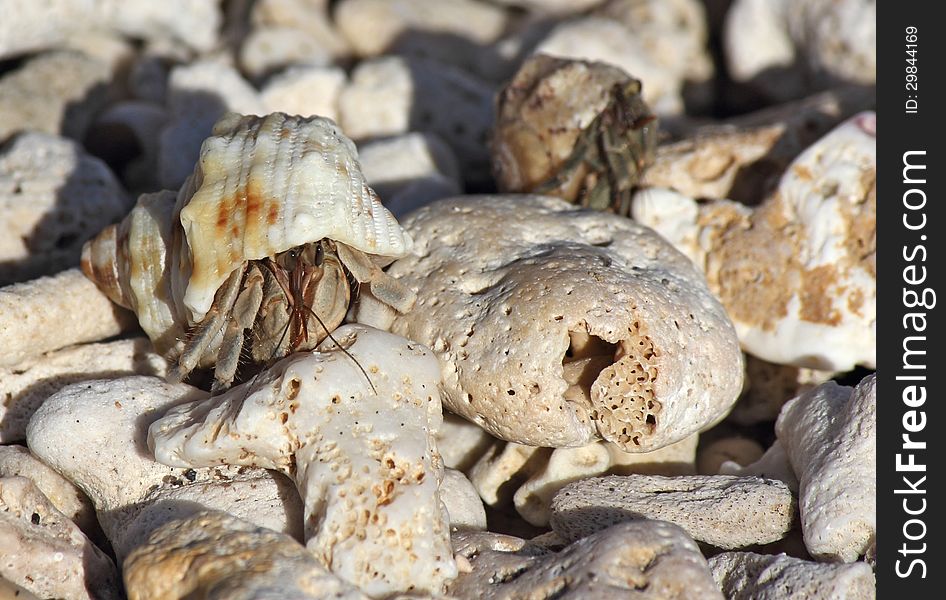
(260, 252)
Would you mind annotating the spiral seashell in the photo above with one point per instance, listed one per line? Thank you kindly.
(263, 186)
(128, 261)
(262, 236)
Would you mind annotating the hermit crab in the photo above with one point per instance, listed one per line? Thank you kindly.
(260, 252)
(574, 129)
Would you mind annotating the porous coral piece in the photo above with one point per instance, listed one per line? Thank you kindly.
(393, 95)
(530, 477)
(56, 93)
(830, 437)
(53, 197)
(17, 461)
(40, 316)
(29, 26)
(411, 170)
(724, 511)
(355, 431)
(199, 93)
(751, 576)
(797, 275)
(773, 464)
(216, 556)
(555, 326)
(45, 552)
(462, 502)
(784, 49)
(453, 31)
(643, 560)
(95, 434)
(27, 384)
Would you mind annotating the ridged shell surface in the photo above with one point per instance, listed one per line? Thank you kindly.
(129, 261)
(264, 185)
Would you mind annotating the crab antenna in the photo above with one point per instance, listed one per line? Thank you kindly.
(347, 353)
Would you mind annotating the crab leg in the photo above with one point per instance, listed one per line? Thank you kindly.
(208, 329)
(383, 287)
(244, 312)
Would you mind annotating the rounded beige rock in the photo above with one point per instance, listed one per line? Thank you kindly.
(95, 434)
(556, 327)
(53, 197)
(216, 556)
(17, 461)
(45, 552)
(723, 511)
(39, 316)
(305, 90)
(355, 430)
(453, 31)
(751, 576)
(742, 158)
(57, 93)
(392, 95)
(830, 436)
(30, 26)
(530, 477)
(409, 171)
(646, 559)
(27, 384)
(797, 275)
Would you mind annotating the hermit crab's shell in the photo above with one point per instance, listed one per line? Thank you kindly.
(264, 185)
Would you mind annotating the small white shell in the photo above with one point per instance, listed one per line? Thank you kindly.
(265, 185)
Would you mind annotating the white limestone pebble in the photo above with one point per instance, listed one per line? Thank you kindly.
(53, 197)
(305, 90)
(95, 434)
(199, 93)
(216, 556)
(737, 449)
(751, 576)
(41, 315)
(661, 43)
(57, 92)
(26, 385)
(529, 477)
(127, 135)
(355, 431)
(784, 49)
(645, 559)
(45, 552)
(17, 461)
(770, 386)
(797, 275)
(393, 95)
(463, 504)
(287, 33)
(830, 437)
(461, 443)
(557, 326)
(11, 591)
(30, 26)
(558, 7)
(723, 511)
(451, 31)
(409, 171)
(773, 464)
(743, 157)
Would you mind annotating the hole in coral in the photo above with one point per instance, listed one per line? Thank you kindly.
(587, 355)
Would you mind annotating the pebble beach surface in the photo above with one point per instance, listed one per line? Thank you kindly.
(437, 299)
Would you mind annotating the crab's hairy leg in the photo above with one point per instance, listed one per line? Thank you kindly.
(244, 312)
(209, 327)
(383, 287)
